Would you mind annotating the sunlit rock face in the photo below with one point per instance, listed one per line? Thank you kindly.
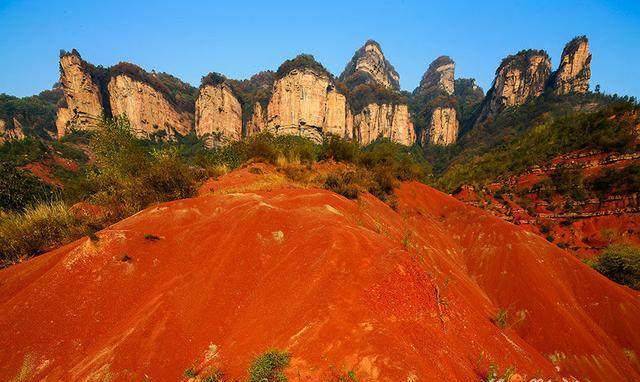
(384, 121)
(150, 113)
(218, 114)
(306, 103)
(369, 59)
(84, 106)
(574, 72)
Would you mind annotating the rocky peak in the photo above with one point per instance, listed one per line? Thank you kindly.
(218, 112)
(519, 78)
(82, 92)
(574, 72)
(370, 62)
(439, 76)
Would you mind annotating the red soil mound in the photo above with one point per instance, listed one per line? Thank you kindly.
(343, 285)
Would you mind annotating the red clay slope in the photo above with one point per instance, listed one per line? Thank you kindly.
(406, 295)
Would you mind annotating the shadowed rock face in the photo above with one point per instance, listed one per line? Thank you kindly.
(439, 76)
(218, 114)
(257, 122)
(574, 72)
(10, 134)
(82, 95)
(370, 60)
(305, 103)
(519, 78)
(148, 110)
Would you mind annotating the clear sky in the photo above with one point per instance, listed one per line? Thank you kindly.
(239, 38)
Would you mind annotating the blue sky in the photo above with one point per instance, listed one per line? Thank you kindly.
(240, 38)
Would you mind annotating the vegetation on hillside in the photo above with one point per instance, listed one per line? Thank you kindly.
(620, 263)
(35, 114)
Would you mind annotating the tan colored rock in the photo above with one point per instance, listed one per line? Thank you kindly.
(384, 121)
(218, 114)
(257, 122)
(574, 72)
(147, 109)
(305, 103)
(370, 59)
(84, 101)
(443, 127)
(8, 134)
(519, 78)
(439, 76)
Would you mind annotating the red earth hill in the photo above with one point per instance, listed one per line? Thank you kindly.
(410, 294)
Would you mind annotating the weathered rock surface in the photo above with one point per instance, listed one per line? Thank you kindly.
(370, 60)
(148, 110)
(305, 103)
(384, 121)
(82, 95)
(10, 134)
(443, 127)
(439, 76)
(218, 114)
(574, 72)
(257, 122)
(519, 78)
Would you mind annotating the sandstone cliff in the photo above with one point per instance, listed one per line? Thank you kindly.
(218, 114)
(439, 76)
(150, 113)
(369, 62)
(574, 72)
(384, 121)
(519, 78)
(306, 103)
(82, 94)
(257, 122)
(443, 127)
(10, 134)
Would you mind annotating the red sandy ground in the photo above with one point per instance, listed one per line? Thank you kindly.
(347, 285)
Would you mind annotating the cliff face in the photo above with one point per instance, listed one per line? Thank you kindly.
(257, 122)
(443, 127)
(305, 103)
(574, 72)
(82, 94)
(370, 61)
(8, 134)
(385, 120)
(148, 110)
(519, 78)
(439, 76)
(218, 114)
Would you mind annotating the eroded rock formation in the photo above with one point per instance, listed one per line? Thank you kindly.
(519, 78)
(370, 61)
(218, 114)
(384, 121)
(10, 134)
(439, 76)
(574, 72)
(257, 122)
(150, 113)
(306, 103)
(443, 127)
(82, 95)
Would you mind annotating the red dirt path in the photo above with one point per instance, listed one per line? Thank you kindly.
(406, 295)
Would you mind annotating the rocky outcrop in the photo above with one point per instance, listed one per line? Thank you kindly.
(82, 94)
(443, 127)
(150, 113)
(306, 103)
(218, 114)
(11, 134)
(384, 121)
(439, 76)
(257, 122)
(574, 72)
(370, 62)
(519, 78)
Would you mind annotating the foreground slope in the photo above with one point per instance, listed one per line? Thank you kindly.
(410, 294)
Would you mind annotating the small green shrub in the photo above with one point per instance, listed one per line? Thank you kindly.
(620, 263)
(190, 372)
(269, 367)
(345, 183)
(501, 318)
